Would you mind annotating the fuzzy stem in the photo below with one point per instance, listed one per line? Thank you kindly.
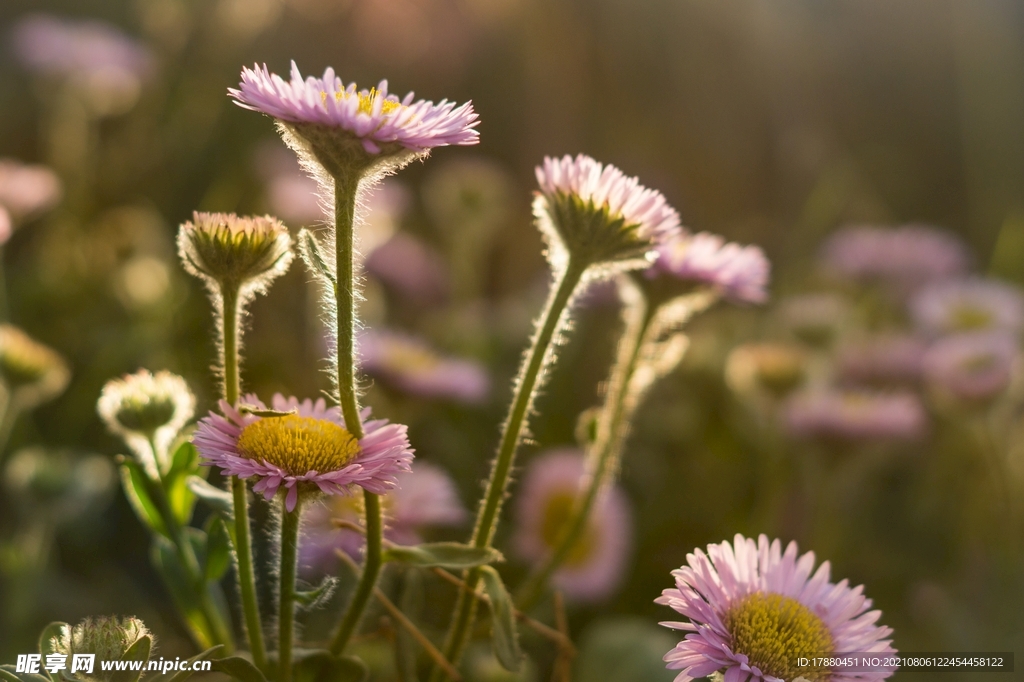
(604, 453)
(243, 544)
(345, 190)
(536, 364)
(286, 600)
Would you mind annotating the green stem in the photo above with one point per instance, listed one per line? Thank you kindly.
(345, 189)
(286, 600)
(538, 360)
(239, 492)
(604, 453)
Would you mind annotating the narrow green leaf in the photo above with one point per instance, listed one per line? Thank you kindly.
(504, 636)
(8, 673)
(183, 675)
(138, 652)
(135, 484)
(184, 463)
(453, 555)
(168, 565)
(217, 499)
(238, 668)
(310, 250)
(218, 549)
(311, 599)
(258, 412)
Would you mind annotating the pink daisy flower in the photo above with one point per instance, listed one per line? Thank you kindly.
(739, 273)
(595, 567)
(972, 366)
(378, 119)
(754, 610)
(309, 449)
(973, 304)
(855, 415)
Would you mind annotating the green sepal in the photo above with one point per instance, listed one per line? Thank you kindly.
(138, 652)
(136, 489)
(504, 635)
(218, 500)
(453, 555)
(238, 668)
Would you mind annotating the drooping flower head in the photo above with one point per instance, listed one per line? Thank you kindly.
(107, 639)
(754, 610)
(855, 415)
(146, 407)
(738, 273)
(881, 360)
(308, 450)
(595, 566)
(972, 367)
(412, 366)
(350, 131)
(595, 212)
(33, 372)
(424, 497)
(968, 305)
(903, 257)
(230, 251)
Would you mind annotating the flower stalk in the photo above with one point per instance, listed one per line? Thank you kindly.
(286, 603)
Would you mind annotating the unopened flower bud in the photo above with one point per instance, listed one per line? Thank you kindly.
(772, 368)
(224, 249)
(34, 372)
(108, 638)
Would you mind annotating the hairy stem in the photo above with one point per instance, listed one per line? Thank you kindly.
(371, 567)
(536, 364)
(242, 540)
(286, 600)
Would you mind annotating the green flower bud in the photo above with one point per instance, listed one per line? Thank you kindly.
(108, 638)
(224, 249)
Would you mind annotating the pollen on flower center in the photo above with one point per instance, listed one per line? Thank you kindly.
(366, 100)
(298, 444)
(773, 631)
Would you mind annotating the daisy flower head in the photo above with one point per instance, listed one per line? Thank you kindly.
(972, 367)
(595, 566)
(349, 131)
(596, 213)
(855, 415)
(753, 610)
(306, 450)
(229, 251)
(964, 305)
(146, 407)
(881, 360)
(738, 273)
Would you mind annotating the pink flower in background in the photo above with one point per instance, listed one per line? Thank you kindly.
(68, 47)
(26, 189)
(905, 257)
(424, 497)
(412, 366)
(739, 273)
(595, 567)
(6, 227)
(968, 305)
(752, 610)
(855, 415)
(373, 116)
(973, 366)
(414, 270)
(309, 448)
(882, 359)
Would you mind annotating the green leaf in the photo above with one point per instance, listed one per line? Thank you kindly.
(136, 489)
(624, 649)
(238, 668)
(504, 636)
(311, 599)
(8, 674)
(319, 665)
(218, 549)
(453, 555)
(183, 591)
(309, 248)
(46, 640)
(183, 675)
(138, 652)
(184, 464)
(217, 499)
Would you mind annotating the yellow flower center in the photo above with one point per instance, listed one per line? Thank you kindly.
(556, 514)
(366, 100)
(774, 631)
(298, 444)
(966, 317)
(409, 358)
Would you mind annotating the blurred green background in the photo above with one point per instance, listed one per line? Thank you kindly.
(768, 122)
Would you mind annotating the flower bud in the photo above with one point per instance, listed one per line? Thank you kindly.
(33, 372)
(224, 249)
(767, 368)
(108, 638)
